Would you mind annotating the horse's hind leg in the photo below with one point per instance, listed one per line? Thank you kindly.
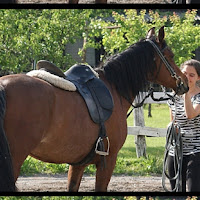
(103, 174)
(75, 174)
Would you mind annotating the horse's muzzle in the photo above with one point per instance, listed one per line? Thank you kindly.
(182, 88)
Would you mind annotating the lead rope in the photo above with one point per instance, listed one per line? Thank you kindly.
(173, 138)
(150, 94)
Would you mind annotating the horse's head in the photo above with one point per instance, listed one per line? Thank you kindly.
(167, 72)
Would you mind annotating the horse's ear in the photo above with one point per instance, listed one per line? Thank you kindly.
(151, 33)
(161, 34)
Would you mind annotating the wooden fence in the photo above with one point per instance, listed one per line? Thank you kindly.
(139, 130)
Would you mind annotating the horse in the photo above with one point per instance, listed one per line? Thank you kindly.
(96, 1)
(53, 125)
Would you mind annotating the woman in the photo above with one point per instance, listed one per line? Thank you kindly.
(188, 117)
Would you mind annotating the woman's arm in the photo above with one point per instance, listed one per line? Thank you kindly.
(191, 111)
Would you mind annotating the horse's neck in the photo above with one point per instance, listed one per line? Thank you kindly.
(116, 96)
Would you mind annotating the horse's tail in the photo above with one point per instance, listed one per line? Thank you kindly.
(7, 182)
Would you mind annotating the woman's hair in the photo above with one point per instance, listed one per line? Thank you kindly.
(194, 63)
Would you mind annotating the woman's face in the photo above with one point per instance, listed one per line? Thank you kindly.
(191, 75)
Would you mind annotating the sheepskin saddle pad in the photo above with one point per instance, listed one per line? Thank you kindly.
(82, 78)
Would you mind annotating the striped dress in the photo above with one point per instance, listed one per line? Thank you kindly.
(190, 128)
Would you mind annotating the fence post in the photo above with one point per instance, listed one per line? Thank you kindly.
(140, 141)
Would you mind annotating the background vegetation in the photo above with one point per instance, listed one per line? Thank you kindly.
(29, 35)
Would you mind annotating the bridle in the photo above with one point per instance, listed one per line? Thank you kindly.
(179, 81)
(171, 133)
(168, 66)
(172, 136)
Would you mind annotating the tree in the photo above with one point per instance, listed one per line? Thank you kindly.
(30, 35)
(182, 34)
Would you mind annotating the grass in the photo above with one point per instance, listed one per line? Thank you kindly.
(127, 161)
(160, 116)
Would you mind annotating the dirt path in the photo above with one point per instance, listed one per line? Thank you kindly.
(58, 183)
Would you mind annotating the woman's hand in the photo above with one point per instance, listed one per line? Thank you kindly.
(191, 111)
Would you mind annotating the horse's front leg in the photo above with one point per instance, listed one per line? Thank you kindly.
(103, 174)
(75, 174)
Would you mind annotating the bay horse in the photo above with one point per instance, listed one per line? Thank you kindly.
(53, 125)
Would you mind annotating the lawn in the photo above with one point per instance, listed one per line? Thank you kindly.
(127, 161)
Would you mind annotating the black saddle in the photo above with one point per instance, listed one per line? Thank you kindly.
(96, 96)
(95, 93)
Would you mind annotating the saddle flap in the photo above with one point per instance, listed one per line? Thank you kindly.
(93, 90)
(102, 93)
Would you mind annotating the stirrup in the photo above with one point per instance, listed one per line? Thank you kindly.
(102, 153)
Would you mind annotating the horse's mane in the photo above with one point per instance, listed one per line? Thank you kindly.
(128, 70)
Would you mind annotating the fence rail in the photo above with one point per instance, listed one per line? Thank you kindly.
(139, 130)
(147, 131)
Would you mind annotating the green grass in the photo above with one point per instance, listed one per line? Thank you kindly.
(160, 116)
(127, 161)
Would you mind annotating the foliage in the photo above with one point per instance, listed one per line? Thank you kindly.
(182, 34)
(28, 35)
(187, 33)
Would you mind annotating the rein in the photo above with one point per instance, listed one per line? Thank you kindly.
(169, 67)
(173, 138)
(151, 90)
(150, 93)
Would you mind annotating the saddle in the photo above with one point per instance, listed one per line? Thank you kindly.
(95, 94)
